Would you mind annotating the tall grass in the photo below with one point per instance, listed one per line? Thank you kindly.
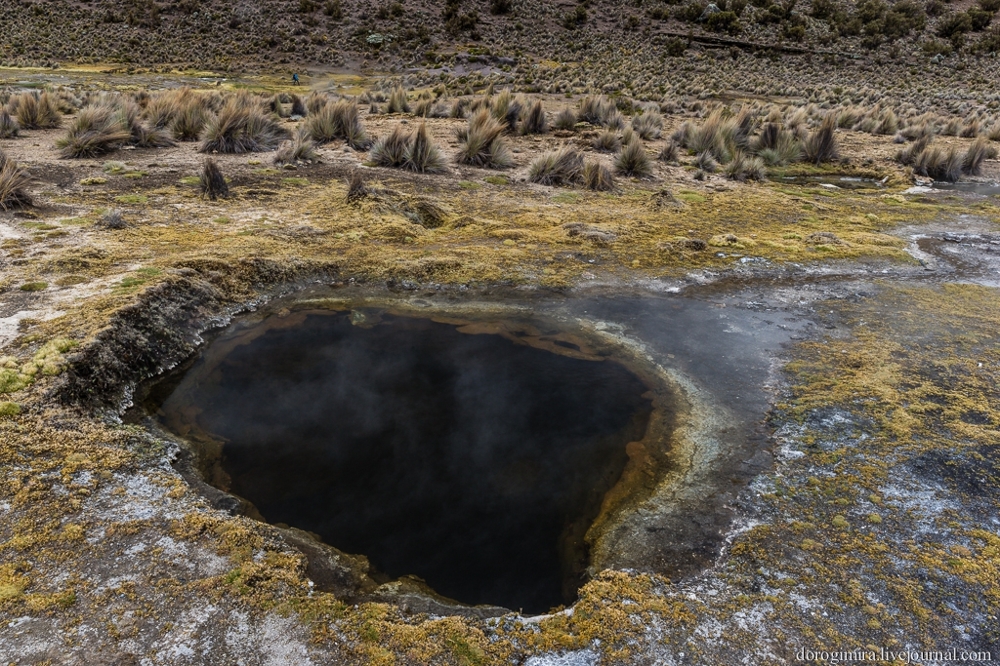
(338, 120)
(34, 111)
(557, 167)
(482, 143)
(822, 146)
(242, 127)
(13, 184)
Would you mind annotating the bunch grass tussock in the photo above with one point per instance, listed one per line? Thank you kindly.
(302, 149)
(822, 145)
(211, 181)
(338, 120)
(563, 166)
(97, 130)
(412, 151)
(14, 183)
(533, 120)
(242, 127)
(34, 111)
(9, 128)
(482, 143)
(597, 177)
(633, 161)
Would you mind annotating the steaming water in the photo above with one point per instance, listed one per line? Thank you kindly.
(471, 461)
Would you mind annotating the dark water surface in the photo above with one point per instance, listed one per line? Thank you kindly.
(471, 461)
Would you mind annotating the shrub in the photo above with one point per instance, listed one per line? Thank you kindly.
(8, 126)
(744, 167)
(597, 177)
(241, 127)
(13, 184)
(648, 126)
(956, 24)
(821, 146)
(421, 155)
(482, 144)
(534, 121)
(36, 111)
(211, 182)
(979, 19)
(557, 167)
(338, 120)
(398, 102)
(726, 22)
(633, 161)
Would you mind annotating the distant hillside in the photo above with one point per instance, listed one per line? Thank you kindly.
(278, 34)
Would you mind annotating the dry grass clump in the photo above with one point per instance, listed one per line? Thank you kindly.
(482, 143)
(34, 111)
(182, 111)
(648, 126)
(507, 109)
(357, 188)
(108, 122)
(599, 110)
(390, 151)
(302, 149)
(13, 184)
(211, 182)
(422, 156)
(242, 127)
(338, 120)
(776, 146)
(945, 165)
(534, 121)
(398, 102)
(565, 120)
(8, 125)
(557, 167)
(978, 152)
(670, 153)
(607, 142)
(190, 121)
(745, 167)
(633, 161)
(597, 177)
(821, 146)
(411, 151)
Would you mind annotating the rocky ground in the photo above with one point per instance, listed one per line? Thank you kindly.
(871, 520)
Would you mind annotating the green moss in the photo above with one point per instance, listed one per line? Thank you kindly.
(132, 198)
(34, 286)
(8, 410)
